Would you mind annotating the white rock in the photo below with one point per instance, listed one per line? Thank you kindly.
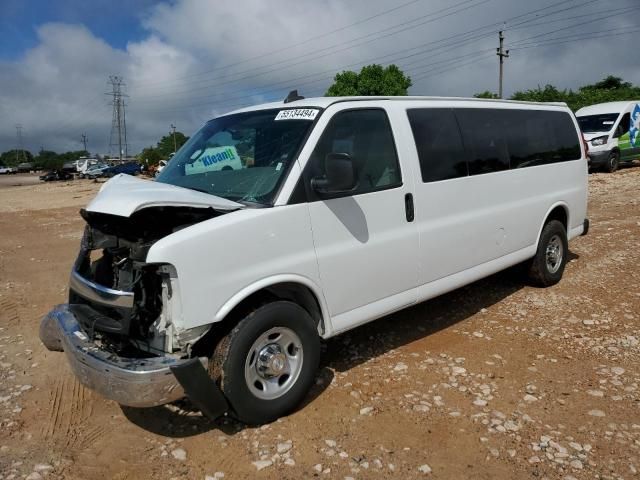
(318, 467)
(34, 476)
(215, 476)
(480, 402)
(529, 398)
(290, 462)
(458, 371)
(534, 459)
(577, 464)
(424, 468)
(42, 468)
(575, 446)
(261, 464)
(596, 413)
(617, 370)
(179, 454)
(400, 367)
(596, 393)
(330, 443)
(284, 447)
(366, 410)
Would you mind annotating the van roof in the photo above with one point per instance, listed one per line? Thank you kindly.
(608, 107)
(324, 102)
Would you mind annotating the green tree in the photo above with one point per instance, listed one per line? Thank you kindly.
(165, 145)
(610, 89)
(150, 156)
(486, 94)
(372, 80)
(10, 159)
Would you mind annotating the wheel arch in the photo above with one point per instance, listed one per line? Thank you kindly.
(294, 288)
(558, 211)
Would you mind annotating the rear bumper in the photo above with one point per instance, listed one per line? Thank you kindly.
(136, 382)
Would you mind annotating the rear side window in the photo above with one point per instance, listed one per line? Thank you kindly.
(439, 143)
(541, 137)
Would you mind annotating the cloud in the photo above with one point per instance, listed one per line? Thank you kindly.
(201, 58)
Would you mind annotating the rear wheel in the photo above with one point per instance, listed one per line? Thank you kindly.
(266, 365)
(547, 266)
(613, 162)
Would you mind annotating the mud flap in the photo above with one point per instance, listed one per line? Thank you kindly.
(200, 388)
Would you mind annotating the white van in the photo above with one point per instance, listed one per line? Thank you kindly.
(218, 284)
(612, 132)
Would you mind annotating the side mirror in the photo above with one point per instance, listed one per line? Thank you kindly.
(619, 131)
(340, 175)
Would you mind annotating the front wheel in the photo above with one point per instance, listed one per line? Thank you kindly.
(547, 266)
(266, 365)
(613, 162)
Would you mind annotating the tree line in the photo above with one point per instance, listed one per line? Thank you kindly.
(44, 160)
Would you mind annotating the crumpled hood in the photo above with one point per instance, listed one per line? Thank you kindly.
(589, 136)
(124, 195)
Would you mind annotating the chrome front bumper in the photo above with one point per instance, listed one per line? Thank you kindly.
(138, 382)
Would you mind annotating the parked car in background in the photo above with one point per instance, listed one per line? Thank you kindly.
(160, 167)
(280, 224)
(611, 129)
(7, 170)
(130, 168)
(54, 175)
(95, 171)
(25, 167)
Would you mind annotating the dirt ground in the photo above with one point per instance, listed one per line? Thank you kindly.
(495, 380)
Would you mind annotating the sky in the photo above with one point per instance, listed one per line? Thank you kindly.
(186, 61)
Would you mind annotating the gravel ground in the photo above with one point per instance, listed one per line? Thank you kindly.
(495, 380)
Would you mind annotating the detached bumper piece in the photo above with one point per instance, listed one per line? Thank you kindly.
(135, 382)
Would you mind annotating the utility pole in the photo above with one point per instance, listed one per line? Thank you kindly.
(19, 146)
(173, 127)
(502, 54)
(118, 122)
(84, 141)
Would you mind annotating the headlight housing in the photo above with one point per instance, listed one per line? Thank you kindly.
(599, 141)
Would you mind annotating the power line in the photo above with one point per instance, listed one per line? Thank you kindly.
(461, 6)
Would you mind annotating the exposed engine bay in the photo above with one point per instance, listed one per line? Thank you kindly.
(131, 312)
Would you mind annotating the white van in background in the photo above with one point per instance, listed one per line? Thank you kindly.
(612, 132)
(218, 283)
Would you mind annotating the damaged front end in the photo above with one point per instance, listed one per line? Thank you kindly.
(119, 328)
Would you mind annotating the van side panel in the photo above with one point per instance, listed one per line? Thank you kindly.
(476, 225)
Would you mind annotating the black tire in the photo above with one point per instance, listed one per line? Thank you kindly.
(543, 270)
(613, 162)
(232, 359)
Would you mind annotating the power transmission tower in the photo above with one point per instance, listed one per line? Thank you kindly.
(173, 127)
(502, 54)
(118, 122)
(19, 145)
(84, 141)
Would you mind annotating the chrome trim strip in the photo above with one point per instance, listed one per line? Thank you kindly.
(99, 294)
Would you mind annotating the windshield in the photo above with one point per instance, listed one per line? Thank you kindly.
(597, 123)
(242, 157)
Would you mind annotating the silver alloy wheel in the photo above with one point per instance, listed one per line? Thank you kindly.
(554, 254)
(273, 363)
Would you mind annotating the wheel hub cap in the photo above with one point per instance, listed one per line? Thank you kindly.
(554, 254)
(271, 361)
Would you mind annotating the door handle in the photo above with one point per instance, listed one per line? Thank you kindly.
(408, 207)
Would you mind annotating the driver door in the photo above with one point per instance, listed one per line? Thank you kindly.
(365, 239)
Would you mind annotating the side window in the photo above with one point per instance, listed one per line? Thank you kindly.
(366, 136)
(566, 144)
(483, 131)
(537, 137)
(624, 125)
(439, 144)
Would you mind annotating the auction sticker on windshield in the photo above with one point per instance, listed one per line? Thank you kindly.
(297, 114)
